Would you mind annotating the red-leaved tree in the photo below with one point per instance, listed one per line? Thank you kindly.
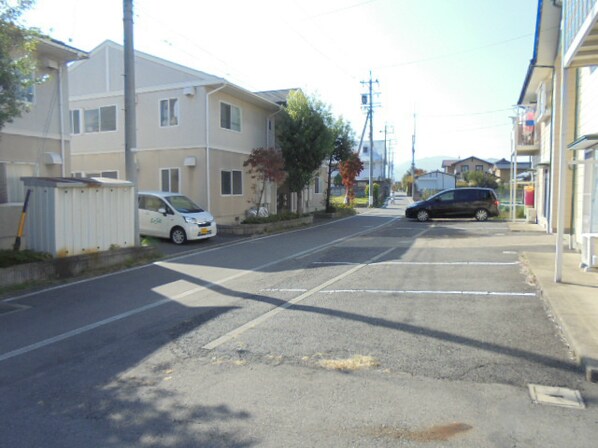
(349, 170)
(265, 165)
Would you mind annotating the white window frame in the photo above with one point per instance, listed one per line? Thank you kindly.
(170, 182)
(317, 185)
(95, 173)
(99, 112)
(223, 103)
(177, 112)
(232, 183)
(79, 121)
(13, 189)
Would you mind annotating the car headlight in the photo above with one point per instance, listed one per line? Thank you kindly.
(190, 220)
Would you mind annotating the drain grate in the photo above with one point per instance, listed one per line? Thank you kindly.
(556, 396)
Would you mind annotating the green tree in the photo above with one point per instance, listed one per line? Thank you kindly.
(305, 139)
(341, 150)
(17, 61)
(480, 179)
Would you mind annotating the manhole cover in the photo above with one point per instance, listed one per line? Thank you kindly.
(556, 396)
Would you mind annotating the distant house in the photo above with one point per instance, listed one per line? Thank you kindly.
(37, 143)
(462, 166)
(434, 182)
(502, 169)
(379, 156)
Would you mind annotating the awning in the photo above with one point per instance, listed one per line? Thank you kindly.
(584, 142)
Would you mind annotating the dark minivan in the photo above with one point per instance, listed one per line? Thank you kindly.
(478, 203)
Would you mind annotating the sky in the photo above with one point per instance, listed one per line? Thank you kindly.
(458, 65)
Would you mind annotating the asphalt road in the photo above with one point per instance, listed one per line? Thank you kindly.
(365, 331)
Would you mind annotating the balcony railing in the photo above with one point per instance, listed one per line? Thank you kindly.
(575, 13)
(527, 139)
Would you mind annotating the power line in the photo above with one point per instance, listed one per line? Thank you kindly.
(456, 53)
(334, 11)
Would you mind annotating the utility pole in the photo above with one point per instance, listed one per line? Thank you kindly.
(413, 159)
(371, 118)
(130, 118)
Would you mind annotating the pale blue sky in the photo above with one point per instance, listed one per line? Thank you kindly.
(459, 63)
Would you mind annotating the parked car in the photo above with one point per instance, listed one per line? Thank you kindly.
(173, 216)
(478, 203)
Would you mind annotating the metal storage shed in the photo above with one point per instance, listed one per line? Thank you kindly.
(72, 216)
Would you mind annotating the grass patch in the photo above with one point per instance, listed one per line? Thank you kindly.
(357, 362)
(11, 258)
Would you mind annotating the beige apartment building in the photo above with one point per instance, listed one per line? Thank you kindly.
(557, 122)
(194, 131)
(38, 142)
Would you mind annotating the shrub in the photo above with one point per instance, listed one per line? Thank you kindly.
(11, 257)
(287, 216)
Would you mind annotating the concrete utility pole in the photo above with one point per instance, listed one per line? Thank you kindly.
(371, 117)
(413, 159)
(130, 118)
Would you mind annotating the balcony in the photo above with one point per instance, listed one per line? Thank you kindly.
(580, 32)
(527, 138)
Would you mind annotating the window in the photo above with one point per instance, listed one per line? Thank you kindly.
(231, 183)
(169, 179)
(26, 88)
(153, 204)
(11, 186)
(100, 120)
(112, 174)
(446, 197)
(169, 112)
(75, 121)
(230, 117)
(464, 168)
(479, 167)
(317, 186)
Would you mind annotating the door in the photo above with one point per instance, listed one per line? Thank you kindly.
(443, 205)
(151, 221)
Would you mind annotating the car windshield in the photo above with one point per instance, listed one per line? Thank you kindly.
(183, 204)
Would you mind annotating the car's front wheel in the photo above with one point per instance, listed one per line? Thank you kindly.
(178, 235)
(481, 214)
(423, 215)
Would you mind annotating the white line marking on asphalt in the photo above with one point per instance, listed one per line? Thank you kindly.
(414, 291)
(430, 263)
(208, 285)
(179, 257)
(257, 321)
(283, 290)
(78, 331)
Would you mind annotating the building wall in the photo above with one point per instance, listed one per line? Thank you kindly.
(26, 140)
(587, 124)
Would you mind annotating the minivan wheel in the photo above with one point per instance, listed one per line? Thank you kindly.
(423, 215)
(481, 214)
(178, 235)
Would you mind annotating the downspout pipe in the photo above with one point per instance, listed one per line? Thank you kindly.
(209, 193)
(61, 121)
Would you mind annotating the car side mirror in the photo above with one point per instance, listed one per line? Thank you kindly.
(162, 210)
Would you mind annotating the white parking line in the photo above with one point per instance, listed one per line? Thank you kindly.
(431, 263)
(415, 291)
(264, 317)
(208, 285)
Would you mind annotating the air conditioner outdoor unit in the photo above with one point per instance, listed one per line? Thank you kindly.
(589, 250)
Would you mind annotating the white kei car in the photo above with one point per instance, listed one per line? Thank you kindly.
(173, 216)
